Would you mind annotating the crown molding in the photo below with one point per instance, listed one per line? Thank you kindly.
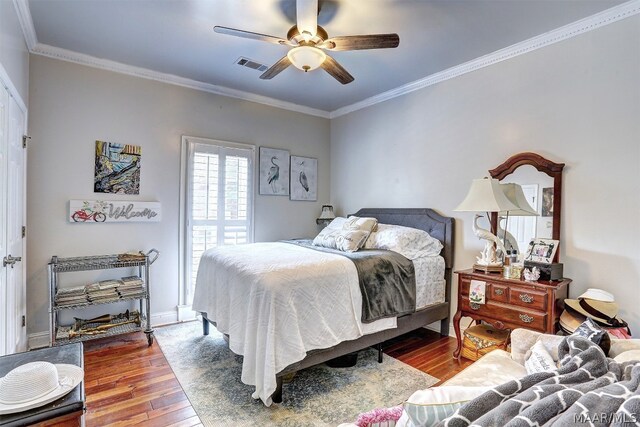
(590, 23)
(118, 67)
(26, 23)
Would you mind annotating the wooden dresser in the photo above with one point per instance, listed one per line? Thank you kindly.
(511, 303)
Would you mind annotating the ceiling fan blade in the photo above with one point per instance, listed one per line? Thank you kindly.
(276, 68)
(370, 41)
(249, 35)
(307, 16)
(336, 70)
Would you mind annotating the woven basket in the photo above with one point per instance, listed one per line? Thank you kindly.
(481, 339)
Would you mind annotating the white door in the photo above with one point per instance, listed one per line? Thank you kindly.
(16, 292)
(4, 147)
(13, 336)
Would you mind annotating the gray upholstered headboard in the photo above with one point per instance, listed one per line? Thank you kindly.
(438, 226)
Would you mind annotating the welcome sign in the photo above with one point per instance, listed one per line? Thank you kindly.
(97, 211)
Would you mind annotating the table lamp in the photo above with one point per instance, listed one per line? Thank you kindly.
(326, 216)
(486, 195)
(516, 196)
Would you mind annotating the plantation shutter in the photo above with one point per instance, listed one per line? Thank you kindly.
(220, 200)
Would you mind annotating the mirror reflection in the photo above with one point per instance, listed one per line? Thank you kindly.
(537, 188)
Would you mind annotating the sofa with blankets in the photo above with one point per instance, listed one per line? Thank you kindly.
(545, 379)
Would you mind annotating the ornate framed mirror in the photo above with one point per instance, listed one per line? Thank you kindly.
(541, 180)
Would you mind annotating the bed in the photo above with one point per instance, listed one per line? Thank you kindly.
(315, 318)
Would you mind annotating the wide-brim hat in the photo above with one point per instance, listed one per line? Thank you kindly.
(600, 311)
(35, 384)
(598, 294)
(570, 320)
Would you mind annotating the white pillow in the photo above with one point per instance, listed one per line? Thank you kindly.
(346, 234)
(430, 406)
(627, 356)
(408, 242)
(539, 360)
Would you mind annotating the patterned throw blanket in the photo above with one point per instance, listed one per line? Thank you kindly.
(588, 389)
(387, 281)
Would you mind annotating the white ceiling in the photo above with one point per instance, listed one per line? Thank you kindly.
(176, 37)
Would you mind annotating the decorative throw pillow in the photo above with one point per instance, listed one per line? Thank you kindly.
(347, 235)
(408, 242)
(361, 223)
(430, 406)
(539, 360)
(327, 237)
(594, 333)
(628, 356)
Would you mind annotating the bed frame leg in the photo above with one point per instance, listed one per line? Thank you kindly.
(444, 327)
(380, 353)
(276, 397)
(205, 326)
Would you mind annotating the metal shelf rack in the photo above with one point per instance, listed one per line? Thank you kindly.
(101, 262)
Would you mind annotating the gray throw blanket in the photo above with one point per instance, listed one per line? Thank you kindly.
(588, 389)
(387, 281)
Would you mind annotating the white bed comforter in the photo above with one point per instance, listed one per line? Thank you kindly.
(276, 301)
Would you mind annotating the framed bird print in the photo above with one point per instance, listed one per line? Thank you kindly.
(274, 172)
(304, 178)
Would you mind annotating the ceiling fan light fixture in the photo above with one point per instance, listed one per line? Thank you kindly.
(306, 58)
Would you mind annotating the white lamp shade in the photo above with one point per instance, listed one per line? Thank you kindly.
(516, 196)
(306, 58)
(485, 195)
(327, 212)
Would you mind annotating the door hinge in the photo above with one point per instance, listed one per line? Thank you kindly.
(24, 231)
(24, 140)
(24, 321)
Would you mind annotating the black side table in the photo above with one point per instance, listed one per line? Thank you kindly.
(73, 402)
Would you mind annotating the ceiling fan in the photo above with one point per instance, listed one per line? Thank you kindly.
(309, 41)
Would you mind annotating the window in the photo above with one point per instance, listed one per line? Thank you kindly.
(218, 207)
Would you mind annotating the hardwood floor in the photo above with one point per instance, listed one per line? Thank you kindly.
(128, 383)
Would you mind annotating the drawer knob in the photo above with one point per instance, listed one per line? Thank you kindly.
(526, 298)
(499, 291)
(474, 306)
(525, 318)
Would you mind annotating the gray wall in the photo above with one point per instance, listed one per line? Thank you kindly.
(14, 55)
(72, 106)
(577, 102)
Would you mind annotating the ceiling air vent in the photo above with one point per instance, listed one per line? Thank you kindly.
(246, 62)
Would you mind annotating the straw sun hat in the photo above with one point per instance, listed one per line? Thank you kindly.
(35, 384)
(596, 304)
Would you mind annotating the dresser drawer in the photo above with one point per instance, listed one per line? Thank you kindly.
(528, 298)
(499, 293)
(508, 314)
(493, 291)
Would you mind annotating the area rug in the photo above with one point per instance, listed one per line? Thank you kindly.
(320, 396)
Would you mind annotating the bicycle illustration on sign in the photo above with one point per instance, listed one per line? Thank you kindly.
(88, 213)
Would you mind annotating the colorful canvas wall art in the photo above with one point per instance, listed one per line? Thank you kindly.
(274, 172)
(304, 178)
(117, 168)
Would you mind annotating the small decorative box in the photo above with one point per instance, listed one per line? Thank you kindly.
(481, 339)
(547, 271)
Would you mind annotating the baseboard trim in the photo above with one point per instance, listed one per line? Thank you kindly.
(38, 340)
(164, 318)
(185, 313)
(452, 332)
